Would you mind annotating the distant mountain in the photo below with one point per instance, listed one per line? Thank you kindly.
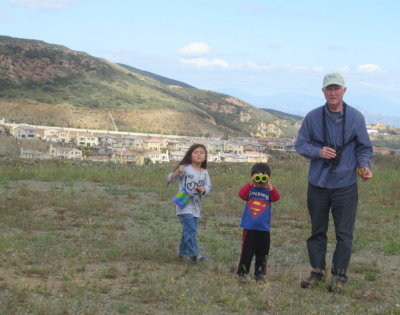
(374, 108)
(293, 103)
(157, 77)
(49, 84)
(283, 115)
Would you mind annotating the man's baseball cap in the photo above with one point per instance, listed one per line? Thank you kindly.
(333, 78)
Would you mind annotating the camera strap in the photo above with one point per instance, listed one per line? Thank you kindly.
(325, 127)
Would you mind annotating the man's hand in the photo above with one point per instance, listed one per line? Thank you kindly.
(327, 153)
(366, 173)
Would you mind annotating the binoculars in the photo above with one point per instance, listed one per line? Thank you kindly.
(260, 178)
(333, 163)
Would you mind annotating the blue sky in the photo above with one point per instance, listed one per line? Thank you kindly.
(272, 54)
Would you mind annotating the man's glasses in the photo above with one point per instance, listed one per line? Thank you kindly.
(261, 178)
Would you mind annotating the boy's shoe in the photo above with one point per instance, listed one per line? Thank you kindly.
(337, 283)
(260, 278)
(199, 258)
(313, 280)
(242, 278)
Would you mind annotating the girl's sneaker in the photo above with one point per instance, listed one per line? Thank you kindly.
(196, 259)
(260, 278)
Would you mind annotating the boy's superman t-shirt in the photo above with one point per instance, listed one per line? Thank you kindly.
(257, 212)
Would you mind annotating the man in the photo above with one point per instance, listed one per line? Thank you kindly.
(334, 137)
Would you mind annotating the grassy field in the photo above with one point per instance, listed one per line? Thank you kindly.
(102, 239)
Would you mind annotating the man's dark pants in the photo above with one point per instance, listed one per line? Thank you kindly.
(343, 202)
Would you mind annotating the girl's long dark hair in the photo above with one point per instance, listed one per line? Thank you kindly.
(187, 159)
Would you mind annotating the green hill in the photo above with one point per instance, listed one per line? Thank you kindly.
(49, 84)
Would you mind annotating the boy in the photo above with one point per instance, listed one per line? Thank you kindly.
(256, 219)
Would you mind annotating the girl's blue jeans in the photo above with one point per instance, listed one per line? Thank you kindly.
(188, 245)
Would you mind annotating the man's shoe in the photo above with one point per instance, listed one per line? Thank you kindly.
(260, 278)
(313, 280)
(337, 283)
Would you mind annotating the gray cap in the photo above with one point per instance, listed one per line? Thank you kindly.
(333, 78)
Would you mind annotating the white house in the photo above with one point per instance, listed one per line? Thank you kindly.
(176, 155)
(87, 140)
(24, 132)
(255, 157)
(65, 153)
(34, 155)
(157, 156)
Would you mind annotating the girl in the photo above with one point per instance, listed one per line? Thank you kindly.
(194, 178)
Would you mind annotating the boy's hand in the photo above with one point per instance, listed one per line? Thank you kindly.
(269, 184)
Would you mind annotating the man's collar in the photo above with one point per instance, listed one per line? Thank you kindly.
(329, 111)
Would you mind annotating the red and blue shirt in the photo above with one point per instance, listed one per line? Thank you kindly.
(257, 212)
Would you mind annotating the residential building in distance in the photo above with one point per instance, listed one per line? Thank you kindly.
(24, 132)
(34, 155)
(127, 157)
(87, 140)
(155, 144)
(57, 135)
(177, 155)
(157, 156)
(65, 153)
(135, 148)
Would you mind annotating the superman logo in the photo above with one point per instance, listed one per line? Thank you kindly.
(256, 206)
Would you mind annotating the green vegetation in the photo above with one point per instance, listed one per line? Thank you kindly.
(82, 238)
(388, 137)
(38, 75)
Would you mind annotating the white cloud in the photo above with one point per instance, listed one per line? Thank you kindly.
(336, 48)
(343, 69)
(274, 45)
(205, 62)
(43, 4)
(195, 49)
(5, 15)
(318, 69)
(254, 8)
(380, 86)
(253, 66)
(370, 68)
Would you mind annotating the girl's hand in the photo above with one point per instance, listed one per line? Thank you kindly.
(181, 168)
(201, 189)
(177, 172)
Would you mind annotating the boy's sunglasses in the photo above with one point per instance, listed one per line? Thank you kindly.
(261, 178)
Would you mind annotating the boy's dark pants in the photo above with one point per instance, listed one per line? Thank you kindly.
(343, 202)
(254, 243)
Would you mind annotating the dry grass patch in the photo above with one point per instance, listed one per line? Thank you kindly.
(85, 239)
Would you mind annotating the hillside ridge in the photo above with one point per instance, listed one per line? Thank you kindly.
(46, 84)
